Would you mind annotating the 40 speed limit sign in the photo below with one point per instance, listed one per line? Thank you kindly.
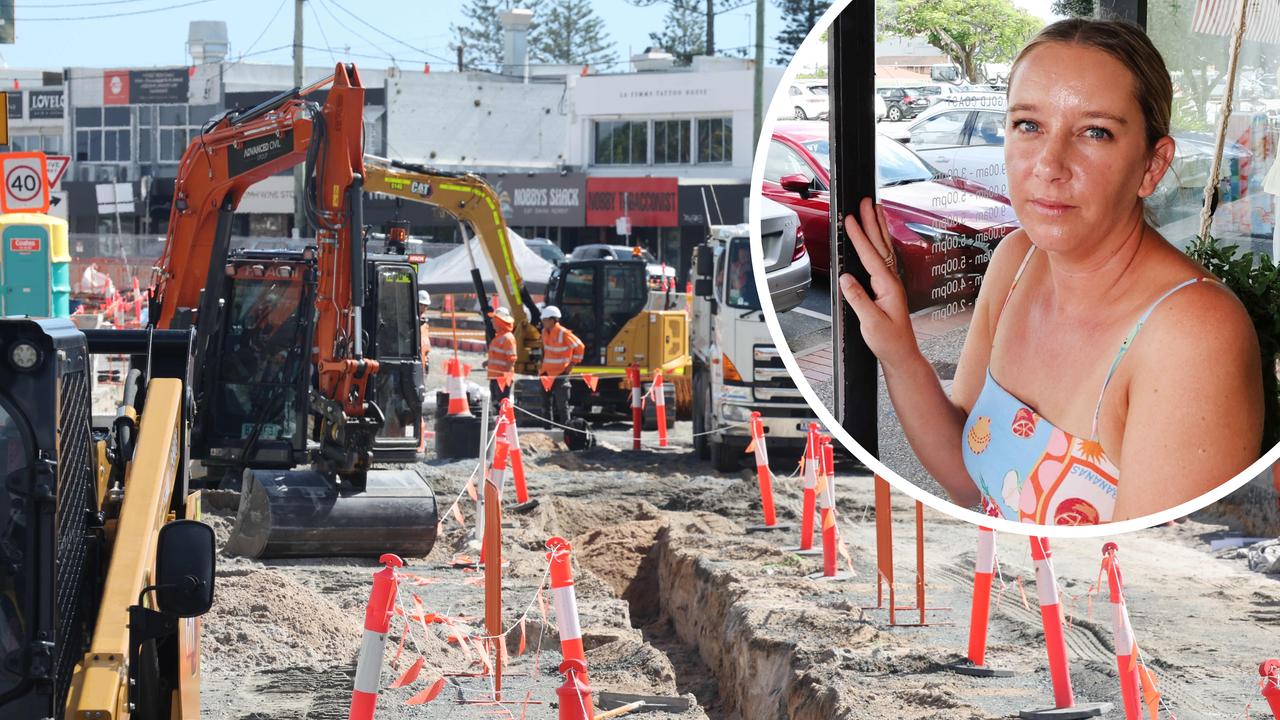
(26, 188)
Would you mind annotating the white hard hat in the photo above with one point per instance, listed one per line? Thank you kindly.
(551, 311)
(503, 314)
(424, 298)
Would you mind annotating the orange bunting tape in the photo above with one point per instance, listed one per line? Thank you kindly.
(520, 650)
(547, 382)
(427, 695)
(411, 674)
(471, 490)
(591, 380)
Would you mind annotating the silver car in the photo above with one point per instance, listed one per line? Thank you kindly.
(786, 262)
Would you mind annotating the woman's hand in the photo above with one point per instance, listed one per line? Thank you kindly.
(885, 321)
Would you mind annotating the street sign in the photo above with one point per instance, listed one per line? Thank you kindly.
(56, 166)
(623, 225)
(25, 178)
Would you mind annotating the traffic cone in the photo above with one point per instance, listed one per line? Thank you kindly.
(637, 406)
(808, 509)
(1270, 672)
(1125, 643)
(513, 452)
(565, 602)
(764, 477)
(1055, 642)
(984, 568)
(575, 694)
(377, 619)
(660, 406)
(456, 385)
(826, 492)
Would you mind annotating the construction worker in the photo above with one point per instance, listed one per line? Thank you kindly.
(424, 300)
(502, 355)
(561, 350)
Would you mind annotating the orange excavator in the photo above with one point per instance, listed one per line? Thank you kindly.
(307, 379)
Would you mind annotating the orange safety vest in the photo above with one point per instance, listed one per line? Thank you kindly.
(502, 354)
(560, 348)
(424, 333)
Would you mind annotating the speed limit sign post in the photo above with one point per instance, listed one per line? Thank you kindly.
(26, 188)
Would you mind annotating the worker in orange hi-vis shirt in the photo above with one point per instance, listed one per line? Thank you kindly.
(561, 350)
(502, 356)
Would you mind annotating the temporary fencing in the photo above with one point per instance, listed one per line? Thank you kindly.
(884, 559)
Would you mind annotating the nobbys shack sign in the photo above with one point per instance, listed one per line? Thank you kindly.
(548, 199)
(648, 202)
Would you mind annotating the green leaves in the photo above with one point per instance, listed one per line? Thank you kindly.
(971, 32)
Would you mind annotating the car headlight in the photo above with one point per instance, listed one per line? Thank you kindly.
(736, 413)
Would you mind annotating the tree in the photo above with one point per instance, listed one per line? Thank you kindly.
(482, 37)
(711, 12)
(1074, 8)
(683, 34)
(1197, 62)
(800, 16)
(571, 33)
(970, 32)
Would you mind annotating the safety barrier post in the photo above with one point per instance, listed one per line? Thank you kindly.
(764, 477)
(660, 406)
(565, 602)
(491, 551)
(456, 385)
(513, 452)
(809, 503)
(827, 505)
(1125, 642)
(1055, 642)
(637, 408)
(1270, 672)
(984, 568)
(377, 619)
(575, 694)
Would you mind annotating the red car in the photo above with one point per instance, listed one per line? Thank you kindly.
(943, 228)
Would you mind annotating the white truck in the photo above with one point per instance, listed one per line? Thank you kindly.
(736, 367)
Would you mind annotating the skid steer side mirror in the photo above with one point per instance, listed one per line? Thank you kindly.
(703, 260)
(185, 566)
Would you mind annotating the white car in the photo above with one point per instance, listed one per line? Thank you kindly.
(808, 101)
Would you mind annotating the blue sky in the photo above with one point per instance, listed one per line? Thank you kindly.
(158, 38)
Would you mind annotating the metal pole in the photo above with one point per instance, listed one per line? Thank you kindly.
(758, 106)
(711, 27)
(299, 226)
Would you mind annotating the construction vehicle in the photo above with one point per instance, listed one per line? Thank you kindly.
(737, 369)
(604, 301)
(309, 377)
(104, 565)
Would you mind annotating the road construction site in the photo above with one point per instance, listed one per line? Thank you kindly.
(678, 602)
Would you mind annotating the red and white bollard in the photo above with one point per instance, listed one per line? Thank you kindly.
(565, 602)
(827, 505)
(575, 694)
(984, 568)
(1055, 641)
(1270, 672)
(764, 477)
(377, 619)
(660, 406)
(1125, 642)
(637, 406)
(808, 508)
(455, 383)
(513, 452)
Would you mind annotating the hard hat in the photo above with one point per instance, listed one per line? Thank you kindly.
(504, 315)
(551, 312)
(424, 298)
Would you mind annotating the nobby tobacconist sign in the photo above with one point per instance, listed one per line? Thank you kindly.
(649, 202)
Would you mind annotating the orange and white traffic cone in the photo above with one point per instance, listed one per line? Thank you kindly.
(565, 602)
(984, 568)
(513, 452)
(1270, 672)
(377, 619)
(660, 407)
(1055, 642)
(637, 406)
(809, 503)
(456, 385)
(1125, 642)
(826, 493)
(764, 477)
(575, 694)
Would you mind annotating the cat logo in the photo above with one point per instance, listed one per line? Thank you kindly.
(417, 187)
(420, 188)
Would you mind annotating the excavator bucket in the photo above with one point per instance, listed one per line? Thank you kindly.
(300, 513)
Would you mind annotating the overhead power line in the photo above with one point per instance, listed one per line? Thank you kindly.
(112, 15)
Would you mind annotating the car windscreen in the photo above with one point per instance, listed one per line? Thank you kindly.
(896, 165)
(14, 461)
(741, 289)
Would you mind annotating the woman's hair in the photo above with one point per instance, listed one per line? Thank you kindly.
(1130, 45)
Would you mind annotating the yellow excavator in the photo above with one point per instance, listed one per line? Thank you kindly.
(104, 564)
(604, 302)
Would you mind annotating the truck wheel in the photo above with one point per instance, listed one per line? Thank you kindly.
(723, 459)
(701, 445)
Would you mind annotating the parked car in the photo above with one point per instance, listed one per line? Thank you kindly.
(881, 108)
(901, 103)
(659, 273)
(546, 249)
(786, 261)
(809, 101)
(943, 228)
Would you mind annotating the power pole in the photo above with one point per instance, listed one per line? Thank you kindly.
(711, 27)
(759, 103)
(299, 223)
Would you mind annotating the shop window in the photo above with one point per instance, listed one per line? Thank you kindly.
(88, 117)
(115, 116)
(715, 140)
(621, 142)
(671, 142)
